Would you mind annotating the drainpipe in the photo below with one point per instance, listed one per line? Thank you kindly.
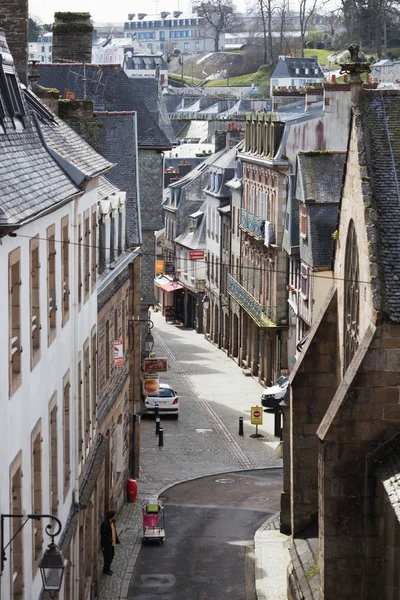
(219, 284)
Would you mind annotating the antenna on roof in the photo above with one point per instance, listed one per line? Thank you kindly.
(156, 2)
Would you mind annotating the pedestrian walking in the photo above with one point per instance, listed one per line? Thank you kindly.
(109, 540)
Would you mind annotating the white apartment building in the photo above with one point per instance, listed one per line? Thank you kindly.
(48, 393)
(42, 49)
(166, 31)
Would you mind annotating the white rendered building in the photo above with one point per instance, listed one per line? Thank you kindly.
(48, 185)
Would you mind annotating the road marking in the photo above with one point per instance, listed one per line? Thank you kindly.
(154, 580)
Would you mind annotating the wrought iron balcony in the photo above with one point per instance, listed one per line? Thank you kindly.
(252, 224)
(264, 316)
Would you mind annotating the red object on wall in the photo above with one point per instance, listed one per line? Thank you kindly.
(131, 487)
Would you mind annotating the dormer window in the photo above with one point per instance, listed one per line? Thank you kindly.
(11, 91)
(192, 225)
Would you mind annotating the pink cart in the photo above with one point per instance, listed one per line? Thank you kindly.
(153, 522)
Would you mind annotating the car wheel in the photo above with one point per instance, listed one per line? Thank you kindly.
(176, 417)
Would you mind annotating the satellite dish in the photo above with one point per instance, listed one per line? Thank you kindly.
(129, 54)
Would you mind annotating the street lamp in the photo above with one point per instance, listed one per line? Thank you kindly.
(206, 302)
(52, 564)
(52, 569)
(148, 340)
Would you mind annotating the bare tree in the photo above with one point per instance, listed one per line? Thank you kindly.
(282, 13)
(218, 16)
(307, 11)
(264, 10)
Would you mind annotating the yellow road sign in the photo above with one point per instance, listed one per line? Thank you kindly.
(256, 415)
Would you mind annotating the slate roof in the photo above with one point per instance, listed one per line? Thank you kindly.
(286, 67)
(195, 240)
(319, 184)
(105, 188)
(80, 160)
(116, 141)
(30, 179)
(320, 176)
(381, 123)
(112, 90)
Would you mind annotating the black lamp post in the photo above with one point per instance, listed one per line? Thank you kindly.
(52, 565)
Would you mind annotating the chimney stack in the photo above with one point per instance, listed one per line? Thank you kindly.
(14, 21)
(72, 37)
(220, 140)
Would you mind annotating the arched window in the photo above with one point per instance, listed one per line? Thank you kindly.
(351, 297)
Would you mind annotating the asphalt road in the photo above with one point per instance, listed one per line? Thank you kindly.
(208, 552)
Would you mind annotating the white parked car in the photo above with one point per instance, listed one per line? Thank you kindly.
(274, 394)
(167, 400)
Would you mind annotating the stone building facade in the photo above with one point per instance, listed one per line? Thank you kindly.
(257, 285)
(342, 451)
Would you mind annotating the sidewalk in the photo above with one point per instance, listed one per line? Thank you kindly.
(213, 394)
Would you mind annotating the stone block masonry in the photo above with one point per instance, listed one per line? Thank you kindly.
(14, 21)
(72, 37)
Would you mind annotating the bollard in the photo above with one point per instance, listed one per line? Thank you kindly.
(158, 425)
(156, 411)
(161, 437)
(241, 426)
(277, 421)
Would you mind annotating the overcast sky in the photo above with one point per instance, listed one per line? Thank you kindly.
(104, 12)
(114, 12)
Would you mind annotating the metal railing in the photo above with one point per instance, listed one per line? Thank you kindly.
(252, 224)
(264, 316)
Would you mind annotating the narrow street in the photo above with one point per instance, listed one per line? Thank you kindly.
(213, 394)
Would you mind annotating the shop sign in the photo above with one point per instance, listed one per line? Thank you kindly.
(169, 268)
(155, 365)
(118, 353)
(196, 255)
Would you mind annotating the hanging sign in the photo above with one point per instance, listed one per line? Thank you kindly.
(155, 365)
(196, 255)
(150, 385)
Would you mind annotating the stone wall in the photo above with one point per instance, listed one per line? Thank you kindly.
(72, 38)
(313, 385)
(364, 414)
(14, 21)
(151, 176)
(148, 268)
(113, 392)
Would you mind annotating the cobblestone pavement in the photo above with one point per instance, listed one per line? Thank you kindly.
(213, 394)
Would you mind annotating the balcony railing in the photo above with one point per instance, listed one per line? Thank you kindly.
(252, 224)
(264, 316)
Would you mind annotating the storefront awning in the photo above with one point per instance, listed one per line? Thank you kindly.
(171, 287)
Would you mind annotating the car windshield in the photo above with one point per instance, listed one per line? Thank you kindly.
(165, 393)
(281, 381)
